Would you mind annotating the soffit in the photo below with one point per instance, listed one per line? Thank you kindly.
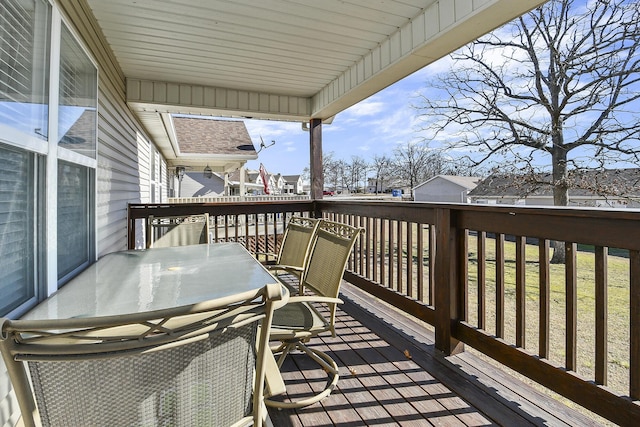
(283, 59)
(279, 59)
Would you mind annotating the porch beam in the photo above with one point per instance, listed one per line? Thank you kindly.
(315, 161)
(181, 98)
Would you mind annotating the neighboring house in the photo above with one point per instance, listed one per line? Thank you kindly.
(279, 183)
(619, 188)
(446, 188)
(208, 138)
(386, 186)
(292, 184)
(211, 138)
(256, 178)
(235, 185)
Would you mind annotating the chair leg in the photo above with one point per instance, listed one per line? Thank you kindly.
(321, 358)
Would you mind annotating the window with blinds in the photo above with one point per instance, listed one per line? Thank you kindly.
(74, 218)
(24, 66)
(17, 228)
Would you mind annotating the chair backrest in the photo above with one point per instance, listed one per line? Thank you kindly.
(169, 231)
(296, 242)
(202, 364)
(328, 259)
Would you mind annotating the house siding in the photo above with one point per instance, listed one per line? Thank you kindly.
(441, 190)
(123, 162)
(123, 172)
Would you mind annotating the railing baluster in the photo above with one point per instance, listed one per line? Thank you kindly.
(246, 231)
(420, 257)
(383, 256)
(482, 268)
(463, 274)
(375, 250)
(399, 257)
(571, 290)
(391, 241)
(410, 227)
(545, 295)
(521, 308)
(634, 325)
(500, 285)
(368, 252)
(256, 233)
(601, 283)
(432, 264)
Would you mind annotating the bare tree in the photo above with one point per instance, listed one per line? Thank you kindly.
(558, 86)
(331, 170)
(410, 161)
(357, 171)
(380, 165)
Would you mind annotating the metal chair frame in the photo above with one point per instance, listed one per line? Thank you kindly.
(46, 345)
(298, 239)
(319, 286)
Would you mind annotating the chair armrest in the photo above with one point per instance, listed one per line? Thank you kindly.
(314, 298)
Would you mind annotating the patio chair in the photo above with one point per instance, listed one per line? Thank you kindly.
(312, 313)
(202, 364)
(169, 231)
(293, 254)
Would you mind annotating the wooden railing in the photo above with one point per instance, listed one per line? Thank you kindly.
(482, 276)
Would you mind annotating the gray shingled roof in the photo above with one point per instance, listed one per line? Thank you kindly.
(581, 183)
(468, 182)
(210, 136)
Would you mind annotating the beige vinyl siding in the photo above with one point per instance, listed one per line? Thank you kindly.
(123, 161)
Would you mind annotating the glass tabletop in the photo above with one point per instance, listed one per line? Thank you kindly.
(143, 280)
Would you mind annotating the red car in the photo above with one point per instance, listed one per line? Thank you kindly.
(328, 193)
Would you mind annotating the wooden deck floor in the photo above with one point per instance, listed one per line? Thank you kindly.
(390, 374)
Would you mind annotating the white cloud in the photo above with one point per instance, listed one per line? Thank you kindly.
(368, 107)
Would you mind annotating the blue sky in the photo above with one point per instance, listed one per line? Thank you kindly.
(373, 126)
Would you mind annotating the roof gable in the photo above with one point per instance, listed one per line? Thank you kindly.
(208, 136)
(466, 182)
(587, 183)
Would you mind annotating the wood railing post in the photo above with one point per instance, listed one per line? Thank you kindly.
(447, 289)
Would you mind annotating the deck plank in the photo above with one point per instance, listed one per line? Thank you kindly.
(391, 374)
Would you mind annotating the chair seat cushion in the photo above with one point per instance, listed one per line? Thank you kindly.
(297, 320)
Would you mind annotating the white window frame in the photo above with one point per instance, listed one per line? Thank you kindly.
(46, 169)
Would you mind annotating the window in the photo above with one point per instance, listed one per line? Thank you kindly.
(24, 115)
(24, 60)
(77, 142)
(17, 228)
(75, 213)
(48, 180)
(78, 100)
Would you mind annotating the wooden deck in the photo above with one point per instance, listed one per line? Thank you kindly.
(390, 374)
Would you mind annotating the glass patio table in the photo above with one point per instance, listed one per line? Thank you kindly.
(143, 280)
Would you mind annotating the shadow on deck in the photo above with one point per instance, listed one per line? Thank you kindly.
(391, 374)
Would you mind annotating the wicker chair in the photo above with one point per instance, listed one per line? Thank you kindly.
(169, 231)
(312, 313)
(297, 241)
(202, 364)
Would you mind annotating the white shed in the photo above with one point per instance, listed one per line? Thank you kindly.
(445, 188)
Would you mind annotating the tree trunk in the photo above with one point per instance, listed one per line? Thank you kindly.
(560, 195)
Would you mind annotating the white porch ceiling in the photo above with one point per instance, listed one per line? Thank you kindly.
(281, 59)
